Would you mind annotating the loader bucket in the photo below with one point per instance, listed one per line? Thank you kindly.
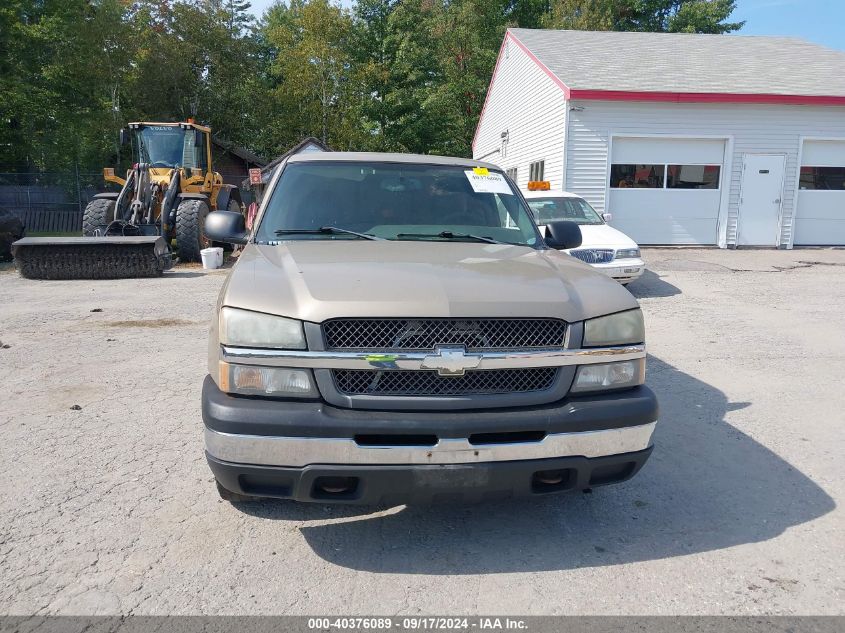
(91, 257)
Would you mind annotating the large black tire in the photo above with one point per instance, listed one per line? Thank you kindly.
(11, 230)
(190, 229)
(99, 212)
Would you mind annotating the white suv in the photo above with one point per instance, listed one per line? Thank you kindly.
(603, 247)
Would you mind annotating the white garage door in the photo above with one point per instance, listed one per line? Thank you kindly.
(666, 191)
(820, 210)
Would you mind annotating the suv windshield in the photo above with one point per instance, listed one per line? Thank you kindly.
(552, 209)
(329, 200)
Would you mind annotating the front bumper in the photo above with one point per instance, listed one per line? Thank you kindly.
(623, 270)
(423, 484)
(286, 449)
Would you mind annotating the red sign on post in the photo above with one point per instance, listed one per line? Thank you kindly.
(255, 176)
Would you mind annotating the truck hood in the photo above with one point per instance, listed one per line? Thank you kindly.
(316, 280)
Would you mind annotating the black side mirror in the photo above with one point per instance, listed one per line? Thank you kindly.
(226, 226)
(562, 235)
(124, 137)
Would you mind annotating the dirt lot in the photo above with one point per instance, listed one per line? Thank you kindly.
(110, 508)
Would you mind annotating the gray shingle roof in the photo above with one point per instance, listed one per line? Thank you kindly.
(680, 62)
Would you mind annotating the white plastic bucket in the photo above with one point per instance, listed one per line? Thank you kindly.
(212, 257)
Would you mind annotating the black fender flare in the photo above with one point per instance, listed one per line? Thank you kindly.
(227, 193)
(194, 196)
(106, 196)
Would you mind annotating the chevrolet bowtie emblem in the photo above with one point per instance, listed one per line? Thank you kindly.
(451, 361)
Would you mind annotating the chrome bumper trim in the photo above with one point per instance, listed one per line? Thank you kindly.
(303, 451)
(419, 360)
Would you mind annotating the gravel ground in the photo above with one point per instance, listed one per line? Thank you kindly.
(108, 506)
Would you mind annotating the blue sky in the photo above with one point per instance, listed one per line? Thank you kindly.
(819, 21)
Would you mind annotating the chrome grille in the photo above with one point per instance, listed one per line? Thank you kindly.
(594, 255)
(356, 382)
(425, 334)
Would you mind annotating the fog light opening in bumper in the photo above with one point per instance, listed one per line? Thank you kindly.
(334, 487)
(544, 481)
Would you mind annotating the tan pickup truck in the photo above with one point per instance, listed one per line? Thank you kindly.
(397, 330)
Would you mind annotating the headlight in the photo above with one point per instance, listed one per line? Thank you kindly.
(620, 375)
(245, 328)
(279, 382)
(622, 328)
(628, 253)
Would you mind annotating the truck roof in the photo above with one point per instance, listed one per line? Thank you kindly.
(387, 157)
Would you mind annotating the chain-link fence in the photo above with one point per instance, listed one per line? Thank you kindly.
(50, 202)
(53, 202)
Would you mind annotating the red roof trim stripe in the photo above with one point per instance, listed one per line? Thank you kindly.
(541, 65)
(706, 97)
(552, 76)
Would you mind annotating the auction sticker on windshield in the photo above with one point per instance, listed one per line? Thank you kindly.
(484, 181)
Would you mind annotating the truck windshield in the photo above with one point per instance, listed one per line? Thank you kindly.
(167, 146)
(552, 209)
(393, 201)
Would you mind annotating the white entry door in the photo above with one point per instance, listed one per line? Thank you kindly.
(760, 199)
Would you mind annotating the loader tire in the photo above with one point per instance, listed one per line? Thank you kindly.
(99, 212)
(190, 229)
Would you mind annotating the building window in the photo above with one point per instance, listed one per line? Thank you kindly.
(823, 178)
(692, 176)
(536, 171)
(637, 176)
(511, 173)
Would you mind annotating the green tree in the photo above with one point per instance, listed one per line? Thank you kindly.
(527, 14)
(394, 75)
(196, 59)
(469, 34)
(312, 93)
(690, 16)
(424, 66)
(60, 63)
(373, 54)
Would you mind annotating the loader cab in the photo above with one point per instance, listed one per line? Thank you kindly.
(166, 146)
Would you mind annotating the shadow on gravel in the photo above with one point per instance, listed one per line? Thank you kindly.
(707, 487)
(651, 285)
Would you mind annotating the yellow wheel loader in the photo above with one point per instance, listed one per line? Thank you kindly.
(165, 197)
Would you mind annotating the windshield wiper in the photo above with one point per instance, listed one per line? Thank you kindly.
(453, 236)
(328, 230)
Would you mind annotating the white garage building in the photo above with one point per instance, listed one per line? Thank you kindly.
(686, 139)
